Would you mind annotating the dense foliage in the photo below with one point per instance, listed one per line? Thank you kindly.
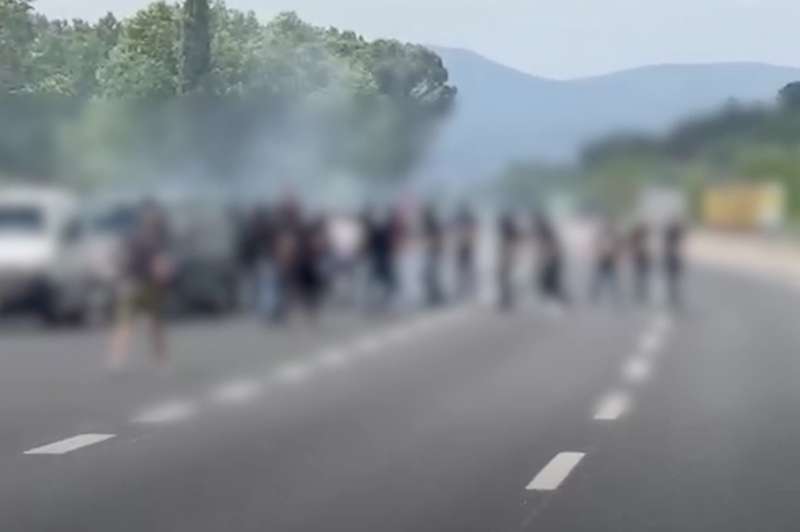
(735, 143)
(206, 89)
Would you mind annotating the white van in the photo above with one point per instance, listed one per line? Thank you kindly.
(43, 264)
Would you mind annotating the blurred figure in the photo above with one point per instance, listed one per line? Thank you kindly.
(146, 273)
(639, 242)
(346, 239)
(466, 227)
(606, 254)
(674, 235)
(550, 260)
(433, 235)
(247, 255)
(262, 233)
(285, 252)
(507, 258)
(379, 250)
(310, 271)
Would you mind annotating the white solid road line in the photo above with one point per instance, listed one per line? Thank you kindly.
(237, 391)
(166, 413)
(637, 370)
(70, 444)
(612, 406)
(555, 472)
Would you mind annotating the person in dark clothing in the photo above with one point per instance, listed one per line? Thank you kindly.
(641, 261)
(606, 251)
(466, 226)
(508, 242)
(146, 273)
(285, 253)
(379, 250)
(433, 234)
(309, 270)
(674, 236)
(550, 259)
(262, 235)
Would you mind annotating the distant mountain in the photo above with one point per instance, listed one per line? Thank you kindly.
(504, 114)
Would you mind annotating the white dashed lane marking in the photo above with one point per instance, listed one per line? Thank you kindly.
(293, 373)
(332, 358)
(637, 370)
(166, 413)
(70, 444)
(369, 345)
(613, 406)
(651, 343)
(238, 391)
(555, 472)
(663, 323)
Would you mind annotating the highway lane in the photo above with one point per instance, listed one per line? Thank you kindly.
(713, 442)
(55, 381)
(442, 423)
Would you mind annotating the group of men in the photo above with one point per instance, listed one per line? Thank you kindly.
(610, 248)
(291, 259)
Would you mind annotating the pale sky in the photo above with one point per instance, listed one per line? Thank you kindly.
(552, 38)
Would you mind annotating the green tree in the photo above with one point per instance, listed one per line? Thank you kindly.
(789, 96)
(108, 31)
(16, 36)
(195, 44)
(145, 63)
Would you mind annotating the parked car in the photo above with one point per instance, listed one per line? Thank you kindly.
(202, 244)
(44, 266)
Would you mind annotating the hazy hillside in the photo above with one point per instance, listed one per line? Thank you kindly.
(504, 114)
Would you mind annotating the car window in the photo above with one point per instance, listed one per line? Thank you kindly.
(117, 221)
(21, 219)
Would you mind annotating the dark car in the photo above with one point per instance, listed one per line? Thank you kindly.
(202, 239)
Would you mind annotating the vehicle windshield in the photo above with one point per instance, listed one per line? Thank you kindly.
(20, 219)
(116, 221)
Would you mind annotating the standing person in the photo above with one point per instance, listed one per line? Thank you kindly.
(674, 236)
(606, 255)
(246, 251)
(346, 237)
(509, 236)
(380, 246)
(310, 274)
(146, 273)
(434, 248)
(642, 261)
(263, 233)
(466, 235)
(550, 259)
(286, 241)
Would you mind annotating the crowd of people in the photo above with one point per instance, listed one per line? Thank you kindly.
(294, 261)
(610, 247)
(290, 260)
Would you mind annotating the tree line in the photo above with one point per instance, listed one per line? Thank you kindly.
(736, 142)
(205, 86)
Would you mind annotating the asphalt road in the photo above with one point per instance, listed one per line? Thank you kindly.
(462, 419)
